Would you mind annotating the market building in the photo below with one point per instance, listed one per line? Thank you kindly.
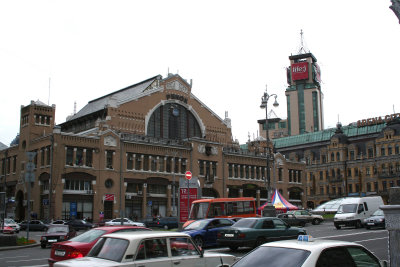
(124, 153)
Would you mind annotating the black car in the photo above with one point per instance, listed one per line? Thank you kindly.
(78, 224)
(34, 225)
(57, 233)
(376, 220)
(165, 222)
(292, 220)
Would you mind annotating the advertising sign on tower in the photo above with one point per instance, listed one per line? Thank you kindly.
(300, 71)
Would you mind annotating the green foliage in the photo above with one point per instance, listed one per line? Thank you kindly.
(21, 241)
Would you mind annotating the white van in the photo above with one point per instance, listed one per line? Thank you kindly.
(353, 210)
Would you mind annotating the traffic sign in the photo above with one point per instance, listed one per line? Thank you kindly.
(188, 175)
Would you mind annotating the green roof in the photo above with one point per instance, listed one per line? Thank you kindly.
(326, 135)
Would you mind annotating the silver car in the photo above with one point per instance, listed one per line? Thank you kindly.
(145, 248)
(125, 221)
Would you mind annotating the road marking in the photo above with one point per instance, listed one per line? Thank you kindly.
(360, 233)
(13, 257)
(29, 260)
(373, 239)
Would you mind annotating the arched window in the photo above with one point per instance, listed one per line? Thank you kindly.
(173, 121)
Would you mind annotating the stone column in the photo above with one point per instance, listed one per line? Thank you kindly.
(169, 206)
(240, 192)
(144, 203)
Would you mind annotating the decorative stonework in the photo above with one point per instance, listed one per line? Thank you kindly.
(110, 141)
(176, 85)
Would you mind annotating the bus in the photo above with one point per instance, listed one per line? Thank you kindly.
(222, 208)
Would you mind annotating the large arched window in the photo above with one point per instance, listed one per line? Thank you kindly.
(173, 121)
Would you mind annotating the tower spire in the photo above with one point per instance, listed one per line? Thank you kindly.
(303, 49)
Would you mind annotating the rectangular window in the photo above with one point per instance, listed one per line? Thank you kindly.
(42, 157)
(161, 164)
(138, 160)
(169, 164)
(370, 153)
(129, 161)
(79, 157)
(183, 165)
(352, 155)
(89, 157)
(382, 151)
(69, 156)
(350, 188)
(14, 164)
(282, 124)
(48, 155)
(201, 168)
(247, 172)
(109, 159)
(153, 164)
(176, 165)
(146, 162)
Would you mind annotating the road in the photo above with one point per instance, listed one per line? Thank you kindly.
(375, 240)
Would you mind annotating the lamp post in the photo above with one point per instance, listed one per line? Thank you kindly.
(264, 104)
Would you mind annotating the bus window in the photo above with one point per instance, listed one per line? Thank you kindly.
(199, 211)
(217, 209)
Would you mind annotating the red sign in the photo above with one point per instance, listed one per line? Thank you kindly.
(300, 71)
(183, 202)
(109, 197)
(188, 175)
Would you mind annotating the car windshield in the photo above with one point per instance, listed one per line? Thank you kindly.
(9, 221)
(112, 249)
(378, 213)
(267, 256)
(347, 208)
(57, 229)
(197, 225)
(246, 223)
(88, 236)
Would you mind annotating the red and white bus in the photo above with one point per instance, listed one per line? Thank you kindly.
(222, 208)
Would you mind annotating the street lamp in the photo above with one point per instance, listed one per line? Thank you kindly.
(264, 104)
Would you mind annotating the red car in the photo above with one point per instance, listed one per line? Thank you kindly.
(57, 233)
(7, 230)
(80, 245)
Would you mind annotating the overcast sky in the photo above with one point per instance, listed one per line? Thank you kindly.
(231, 50)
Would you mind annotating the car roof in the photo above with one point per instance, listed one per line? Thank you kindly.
(316, 244)
(119, 227)
(146, 234)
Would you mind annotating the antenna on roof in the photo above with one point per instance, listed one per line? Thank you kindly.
(74, 107)
(303, 49)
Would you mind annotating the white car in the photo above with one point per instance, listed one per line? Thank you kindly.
(306, 252)
(148, 248)
(11, 223)
(126, 221)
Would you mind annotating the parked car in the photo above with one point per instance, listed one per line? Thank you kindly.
(80, 224)
(376, 220)
(7, 230)
(11, 223)
(80, 245)
(252, 232)
(308, 216)
(34, 225)
(163, 222)
(57, 233)
(148, 249)
(59, 222)
(292, 220)
(309, 254)
(126, 221)
(204, 232)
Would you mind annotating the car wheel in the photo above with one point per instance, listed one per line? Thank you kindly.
(259, 241)
(337, 226)
(43, 245)
(358, 224)
(166, 227)
(315, 221)
(199, 241)
(233, 248)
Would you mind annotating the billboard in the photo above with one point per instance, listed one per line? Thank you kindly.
(300, 71)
